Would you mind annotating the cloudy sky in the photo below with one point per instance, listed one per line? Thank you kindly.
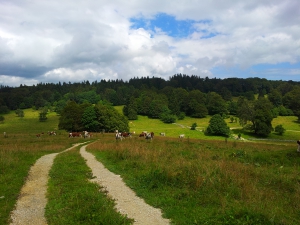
(74, 41)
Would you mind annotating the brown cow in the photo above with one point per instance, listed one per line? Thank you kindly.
(126, 134)
(75, 134)
(143, 134)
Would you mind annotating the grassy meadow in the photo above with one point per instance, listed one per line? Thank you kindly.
(198, 180)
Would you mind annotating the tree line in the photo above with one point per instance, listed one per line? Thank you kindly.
(255, 101)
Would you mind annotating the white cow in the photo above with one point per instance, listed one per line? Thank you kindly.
(162, 134)
(119, 136)
(181, 136)
(86, 134)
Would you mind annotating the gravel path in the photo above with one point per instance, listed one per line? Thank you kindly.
(126, 201)
(30, 207)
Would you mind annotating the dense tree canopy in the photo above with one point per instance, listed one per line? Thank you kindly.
(167, 100)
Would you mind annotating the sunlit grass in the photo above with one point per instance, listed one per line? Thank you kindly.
(209, 182)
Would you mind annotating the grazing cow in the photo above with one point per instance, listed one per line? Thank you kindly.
(181, 136)
(38, 135)
(119, 136)
(149, 136)
(86, 134)
(125, 134)
(51, 132)
(162, 134)
(75, 134)
(143, 134)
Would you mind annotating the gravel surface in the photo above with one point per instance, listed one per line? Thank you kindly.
(30, 207)
(127, 202)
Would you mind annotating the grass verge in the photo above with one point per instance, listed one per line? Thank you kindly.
(72, 199)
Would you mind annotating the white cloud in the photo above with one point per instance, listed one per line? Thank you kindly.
(51, 41)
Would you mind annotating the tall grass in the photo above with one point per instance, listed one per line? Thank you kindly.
(209, 182)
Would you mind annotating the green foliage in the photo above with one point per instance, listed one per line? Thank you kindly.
(291, 100)
(283, 111)
(275, 97)
(260, 113)
(89, 119)
(4, 109)
(20, 113)
(217, 126)
(279, 129)
(59, 106)
(232, 107)
(194, 126)
(110, 119)
(181, 116)
(166, 116)
(263, 117)
(71, 117)
(197, 110)
(216, 104)
(43, 114)
(130, 109)
(88, 96)
(2, 118)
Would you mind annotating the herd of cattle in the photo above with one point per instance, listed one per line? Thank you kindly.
(118, 135)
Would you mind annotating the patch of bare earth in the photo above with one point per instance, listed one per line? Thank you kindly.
(30, 207)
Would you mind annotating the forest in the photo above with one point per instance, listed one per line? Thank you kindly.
(254, 101)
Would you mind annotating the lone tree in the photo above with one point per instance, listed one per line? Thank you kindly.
(258, 113)
(218, 126)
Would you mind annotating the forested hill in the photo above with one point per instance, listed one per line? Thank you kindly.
(119, 92)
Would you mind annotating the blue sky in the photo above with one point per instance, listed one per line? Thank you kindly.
(62, 41)
(170, 25)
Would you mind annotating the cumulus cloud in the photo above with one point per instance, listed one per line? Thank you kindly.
(52, 41)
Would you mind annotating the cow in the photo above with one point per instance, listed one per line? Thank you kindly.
(162, 134)
(119, 136)
(149, 136)
(181, 136)
(51, 132)
(86, 134)
(143, 134)
(75, 134)
(125, 134)
(38, 135)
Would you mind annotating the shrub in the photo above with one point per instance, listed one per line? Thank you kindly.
(279, 129)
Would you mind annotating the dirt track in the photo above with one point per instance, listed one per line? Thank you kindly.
(30, 207)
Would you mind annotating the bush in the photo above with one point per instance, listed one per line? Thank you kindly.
(168, 118)
(279, 129)
(193, 127)
(217, 126)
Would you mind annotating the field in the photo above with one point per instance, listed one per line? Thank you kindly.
(198, 180)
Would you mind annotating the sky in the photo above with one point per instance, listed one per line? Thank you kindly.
(91, 40)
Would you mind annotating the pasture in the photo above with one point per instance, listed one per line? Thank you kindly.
(197, 180)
